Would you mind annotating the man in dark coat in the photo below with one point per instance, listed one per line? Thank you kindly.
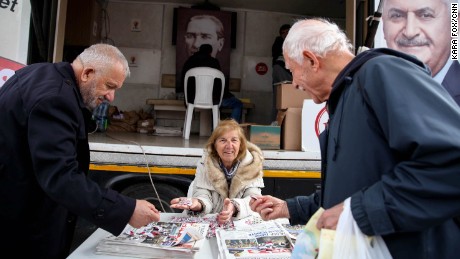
(203, 58)
(391, 146)
(452, 81)
(277, 46)
(44, 155)
(279, 71)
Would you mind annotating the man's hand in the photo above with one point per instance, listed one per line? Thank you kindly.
(330, 217)
(269, 207)
(143, 214)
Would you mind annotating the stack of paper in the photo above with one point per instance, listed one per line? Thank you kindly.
(293, 230)
(267, 239)
(210, 219)
(156, 240)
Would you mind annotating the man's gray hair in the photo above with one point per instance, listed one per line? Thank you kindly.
(317, 35)
(103, 56)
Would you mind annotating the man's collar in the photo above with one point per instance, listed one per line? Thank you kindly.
(442, 73)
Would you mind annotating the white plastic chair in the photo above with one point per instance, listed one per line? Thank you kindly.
(204, 84)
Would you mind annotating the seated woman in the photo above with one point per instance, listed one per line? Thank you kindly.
(228, 174)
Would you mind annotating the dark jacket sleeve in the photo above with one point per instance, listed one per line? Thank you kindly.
(55, 135)
(185, 68)
(216, 64)
(301, 208)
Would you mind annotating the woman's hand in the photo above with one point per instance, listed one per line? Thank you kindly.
(227, 212)
(184, 203)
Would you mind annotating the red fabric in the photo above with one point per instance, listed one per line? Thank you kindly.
(6, 65)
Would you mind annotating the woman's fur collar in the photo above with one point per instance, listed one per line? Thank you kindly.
(249, 170)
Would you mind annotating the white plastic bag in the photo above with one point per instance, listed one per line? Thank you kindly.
(351, 243)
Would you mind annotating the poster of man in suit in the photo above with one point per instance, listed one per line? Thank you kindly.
(423, 28)
(196, 27)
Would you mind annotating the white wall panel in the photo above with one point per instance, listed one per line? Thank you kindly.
(150, 17)
(146, 66)
(252, 80)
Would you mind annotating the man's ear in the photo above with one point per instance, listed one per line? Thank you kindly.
(384, 32)
(221, 44)
(311, 58)
(87, 74)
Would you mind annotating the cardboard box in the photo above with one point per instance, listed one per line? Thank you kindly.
(287, 96)
(314, 120)
(291, 133)
(265, 136)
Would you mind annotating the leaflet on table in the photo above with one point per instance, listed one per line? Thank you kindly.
(166, 234)
(156, 236)
(293, 230)
(210, 219)
(264, 240)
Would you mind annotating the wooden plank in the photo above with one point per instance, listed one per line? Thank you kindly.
(167, 104)
(178, 105)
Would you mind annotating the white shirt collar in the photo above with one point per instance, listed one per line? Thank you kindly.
(439, 77)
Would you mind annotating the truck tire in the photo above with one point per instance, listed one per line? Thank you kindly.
(145, 191)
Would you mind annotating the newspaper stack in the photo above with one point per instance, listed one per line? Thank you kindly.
(267, 239)
(293, 230)
(156, 240)
(210, 219)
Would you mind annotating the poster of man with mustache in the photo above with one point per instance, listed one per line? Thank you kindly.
(427, 29)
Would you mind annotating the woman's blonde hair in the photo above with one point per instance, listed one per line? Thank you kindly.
(223, 127)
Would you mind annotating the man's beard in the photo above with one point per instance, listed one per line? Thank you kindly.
(88, 93)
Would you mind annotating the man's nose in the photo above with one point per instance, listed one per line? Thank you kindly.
(110, 96)
(198, 42)
(412, 28)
